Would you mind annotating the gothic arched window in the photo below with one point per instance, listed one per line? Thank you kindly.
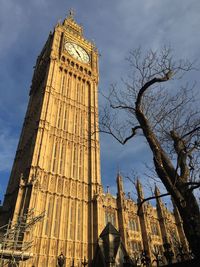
(154, 228)
(110, 217)
(136, 246)
(133, 224)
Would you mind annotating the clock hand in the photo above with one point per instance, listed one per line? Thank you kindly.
(77, 51)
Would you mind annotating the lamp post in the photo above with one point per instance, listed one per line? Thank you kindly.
(168, 253)
(110, 261)
(158, 258)
(84, 263)
(136, 258)
(61, 260)
(127, 261)
(145, 260)
(73, 263)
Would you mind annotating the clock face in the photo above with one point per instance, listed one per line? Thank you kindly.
(77, 52)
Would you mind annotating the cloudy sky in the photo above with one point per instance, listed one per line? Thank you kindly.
(116, 26)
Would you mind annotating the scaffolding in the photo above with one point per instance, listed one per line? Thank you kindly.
(13, 246)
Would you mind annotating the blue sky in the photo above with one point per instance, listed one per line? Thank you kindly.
(116, 27)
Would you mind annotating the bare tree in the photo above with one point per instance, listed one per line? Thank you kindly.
(153, 104)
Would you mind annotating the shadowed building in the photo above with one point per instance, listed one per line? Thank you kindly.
(57, 164)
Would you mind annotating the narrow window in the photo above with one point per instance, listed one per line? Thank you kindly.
(63, 85)
(76, 124)
(69, 159)
(82, 94)
(154, 229)
(82, 134)
(74, 88)
(133, 224)
(72, 220)
(80, 164)
(65, 120)
(110, 217)
(68, 86)
(75, 162)
(65, 219)
(79, 222)
(54, 165)
(59, 116)
(158, 249)
(77, 92)
(62, 159)
(57, 218)
(49, 217)
(136, 246)
(81, 125)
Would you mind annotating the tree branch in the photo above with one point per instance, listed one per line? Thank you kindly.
(194, 185)
(150, 198)
(122, 107)
(191, 132)
(123, 142)
(151, 82)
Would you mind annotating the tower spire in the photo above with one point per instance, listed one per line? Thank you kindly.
(156, 191)
(70, 23)
(71, 13)
(139, 190)
(120, 185)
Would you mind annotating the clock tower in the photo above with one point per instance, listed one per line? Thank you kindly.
(57, 164)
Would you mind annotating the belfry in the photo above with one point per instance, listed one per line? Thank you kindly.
(56, 171)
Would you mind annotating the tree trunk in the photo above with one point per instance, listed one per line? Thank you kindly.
(183, 197)
(191, 222)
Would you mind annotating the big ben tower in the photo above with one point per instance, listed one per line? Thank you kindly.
(57, 163)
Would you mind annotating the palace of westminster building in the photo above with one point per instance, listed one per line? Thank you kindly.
(57, 164)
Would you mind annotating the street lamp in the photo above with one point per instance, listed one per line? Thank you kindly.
(168, 253)
(145, 260)
(61, 260)
(84, 263)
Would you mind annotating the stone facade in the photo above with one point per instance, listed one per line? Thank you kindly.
(142, 227)
(57, 163)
